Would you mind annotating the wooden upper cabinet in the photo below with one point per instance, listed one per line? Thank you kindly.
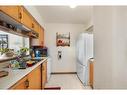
(12, 11)
(35, 78)
(41, 36)
(22, 84)
(44, 74)
(20, 14)
(35, 25)
(26, 18)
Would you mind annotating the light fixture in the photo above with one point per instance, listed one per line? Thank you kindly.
(73, 6)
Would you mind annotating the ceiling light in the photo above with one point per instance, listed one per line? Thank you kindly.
(73, 6)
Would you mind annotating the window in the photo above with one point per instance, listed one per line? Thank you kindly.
(11, 41)
(3, 41)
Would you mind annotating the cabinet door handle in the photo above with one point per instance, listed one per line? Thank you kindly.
(20, 15)
(27, 83)
(32, 25)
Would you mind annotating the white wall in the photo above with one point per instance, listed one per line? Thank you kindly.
(110, 38)
(103, 47)
(68, 61)
(120, 56)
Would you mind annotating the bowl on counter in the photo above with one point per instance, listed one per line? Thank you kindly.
(30, 63)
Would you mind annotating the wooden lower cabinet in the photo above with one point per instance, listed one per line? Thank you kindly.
(44, 74)
(35, 78)
(31, 81)
(22, 84)
(91, 74)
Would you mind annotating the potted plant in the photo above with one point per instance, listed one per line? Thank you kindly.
(23, 51)
(6, 52)
(3, 50)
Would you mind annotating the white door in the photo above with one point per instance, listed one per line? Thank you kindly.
(81, 49)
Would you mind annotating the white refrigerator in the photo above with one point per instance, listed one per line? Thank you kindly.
(84, 51)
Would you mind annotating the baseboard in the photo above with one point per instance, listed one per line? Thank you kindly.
(64, 73)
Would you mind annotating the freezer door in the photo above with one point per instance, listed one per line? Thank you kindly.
(86, 48)
(82, 72)
(81, 49)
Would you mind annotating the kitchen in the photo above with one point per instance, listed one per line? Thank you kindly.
(25, 24)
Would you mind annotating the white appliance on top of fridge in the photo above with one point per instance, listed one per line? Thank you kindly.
(84, 51)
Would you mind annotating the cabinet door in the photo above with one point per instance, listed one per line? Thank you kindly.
(12, 11)
(35, 78)
(91, 74)
(41, 36)
(35, 26)
(26, 18)
(22, 84)
(44, 74)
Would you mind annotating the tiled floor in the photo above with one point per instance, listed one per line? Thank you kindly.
(66, 81)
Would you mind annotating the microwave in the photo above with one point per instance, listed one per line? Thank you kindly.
(40, 51)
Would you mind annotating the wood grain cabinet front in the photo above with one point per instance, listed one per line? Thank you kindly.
(41, 36)
(35, 25)
(34, 78)
(31, 81)
(91, 74)
(12, 11)
(26, 18)
(21, 15)
(21, 84)
(44, 74)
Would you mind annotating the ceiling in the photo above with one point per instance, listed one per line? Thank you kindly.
(65, 14)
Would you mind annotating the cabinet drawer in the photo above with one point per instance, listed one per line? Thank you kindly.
(44, 74)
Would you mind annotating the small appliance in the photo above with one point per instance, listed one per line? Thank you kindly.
(40, 51)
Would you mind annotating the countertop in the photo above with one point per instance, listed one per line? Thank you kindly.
(2, 59)
(15, 75)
